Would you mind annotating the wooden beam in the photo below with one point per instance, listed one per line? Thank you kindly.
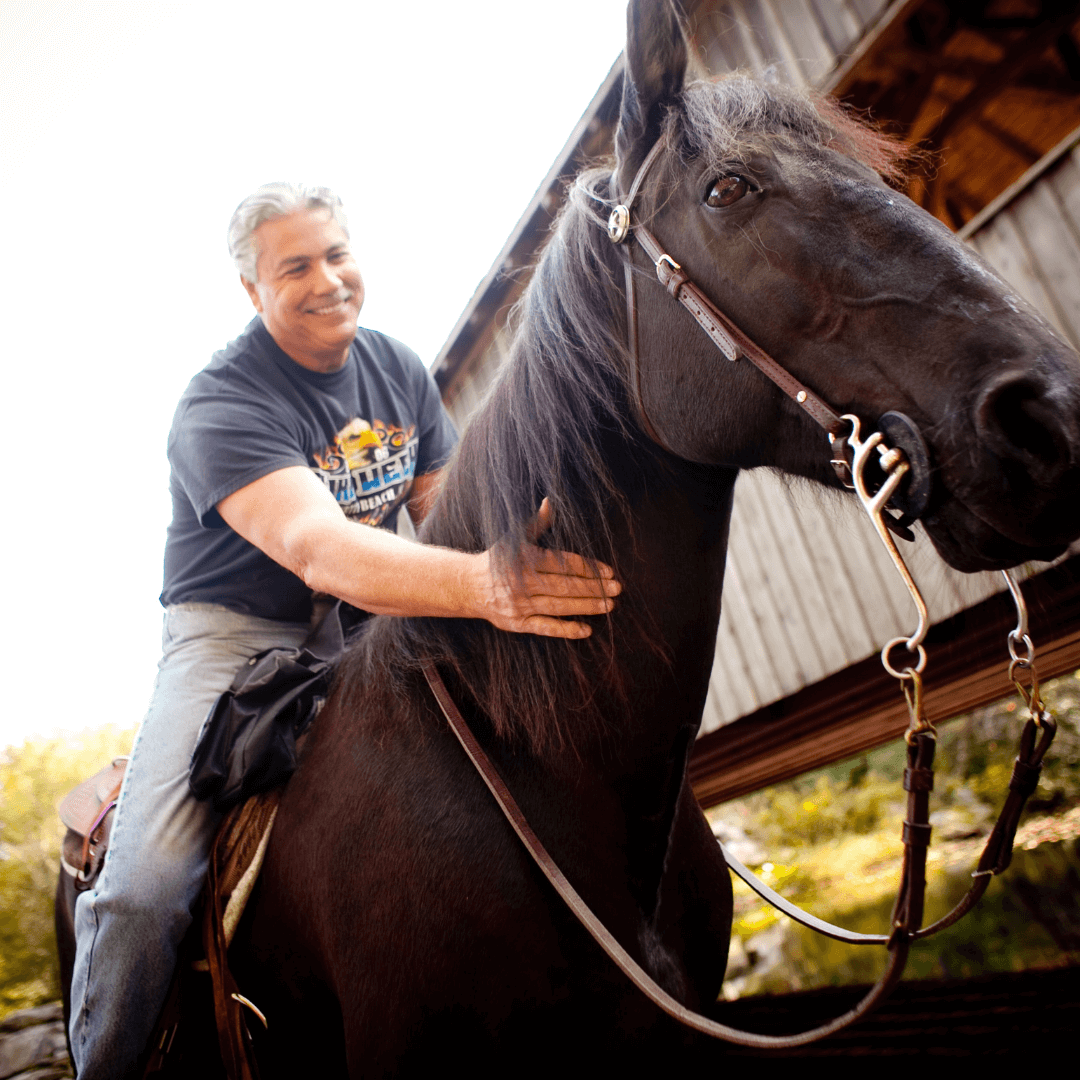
(998, 76)
(862, 707)
(1012, 142)
(888, 31)
(992, 209)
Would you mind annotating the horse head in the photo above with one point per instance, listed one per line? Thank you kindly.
(775, 203)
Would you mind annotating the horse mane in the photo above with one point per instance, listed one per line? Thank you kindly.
(558, 423)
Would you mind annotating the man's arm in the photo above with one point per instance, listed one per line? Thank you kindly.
(293, 518)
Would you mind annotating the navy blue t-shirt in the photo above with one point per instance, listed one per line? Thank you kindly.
(366, 431)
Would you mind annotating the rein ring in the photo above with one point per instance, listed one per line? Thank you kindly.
(919, 651)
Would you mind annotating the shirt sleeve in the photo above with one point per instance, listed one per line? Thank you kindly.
(221, 442)
(438, 436)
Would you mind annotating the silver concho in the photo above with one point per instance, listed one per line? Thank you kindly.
(618, 224)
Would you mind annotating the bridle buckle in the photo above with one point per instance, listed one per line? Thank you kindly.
(618, 225)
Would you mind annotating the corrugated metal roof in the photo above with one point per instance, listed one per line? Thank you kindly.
(802, 40)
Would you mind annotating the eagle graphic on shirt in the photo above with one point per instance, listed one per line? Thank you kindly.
(368, 468)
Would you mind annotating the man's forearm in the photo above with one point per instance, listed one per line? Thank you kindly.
(384, 573)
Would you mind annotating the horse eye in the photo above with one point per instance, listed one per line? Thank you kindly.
(727, 190)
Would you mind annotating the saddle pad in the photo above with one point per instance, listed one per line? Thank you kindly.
(239, 850)
(237, 855)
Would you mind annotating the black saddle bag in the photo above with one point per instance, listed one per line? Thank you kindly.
(248, 742)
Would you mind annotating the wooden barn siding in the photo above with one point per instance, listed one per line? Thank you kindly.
(1035, 244)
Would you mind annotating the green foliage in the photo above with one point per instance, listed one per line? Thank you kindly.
(833, 838)
(977, 750)
(850, 800)
(1019, 923)
(33, 779)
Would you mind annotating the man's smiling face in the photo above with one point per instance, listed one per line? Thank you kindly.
(309, 291)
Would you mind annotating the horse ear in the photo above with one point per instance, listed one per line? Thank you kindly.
(653, 76)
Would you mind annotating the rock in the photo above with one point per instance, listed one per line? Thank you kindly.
(748, 963)
(734, 838)
(766, 949)
(738, 962)
(40, 1014)
(956, 824)
(33, 1046)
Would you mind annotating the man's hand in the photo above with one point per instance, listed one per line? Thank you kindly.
(552, 588)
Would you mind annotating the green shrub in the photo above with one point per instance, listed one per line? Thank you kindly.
(33, 779)
(832, 838)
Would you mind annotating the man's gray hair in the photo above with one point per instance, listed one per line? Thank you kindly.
(274, 201)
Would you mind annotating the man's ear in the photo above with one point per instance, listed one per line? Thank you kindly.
(253, 292)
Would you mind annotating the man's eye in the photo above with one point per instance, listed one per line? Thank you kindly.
(727, 190)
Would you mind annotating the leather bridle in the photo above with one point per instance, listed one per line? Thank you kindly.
(851, 456)
(725, 335)
(735, 345)
(1035, 739)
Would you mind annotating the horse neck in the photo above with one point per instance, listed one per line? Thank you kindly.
(670, 553)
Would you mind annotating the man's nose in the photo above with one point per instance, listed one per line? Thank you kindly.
(328, 275)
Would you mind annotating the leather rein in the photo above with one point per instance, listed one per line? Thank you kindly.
(1038, 731)
(907, 915)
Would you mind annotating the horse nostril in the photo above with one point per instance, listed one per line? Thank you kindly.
(1018, 421)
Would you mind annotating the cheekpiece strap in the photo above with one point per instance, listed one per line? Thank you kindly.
(724, 334)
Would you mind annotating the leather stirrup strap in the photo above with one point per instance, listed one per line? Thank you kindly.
(898, 947)
(233, 1038)
(107, 804)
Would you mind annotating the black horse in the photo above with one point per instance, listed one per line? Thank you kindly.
(399, 925)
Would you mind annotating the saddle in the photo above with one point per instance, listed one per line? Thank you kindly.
(239, 848)
(246, 753)
(87, 811)
(235, 862)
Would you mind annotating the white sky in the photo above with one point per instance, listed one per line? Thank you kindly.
(128, 133)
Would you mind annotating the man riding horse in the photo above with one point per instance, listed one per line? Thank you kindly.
(291, 455)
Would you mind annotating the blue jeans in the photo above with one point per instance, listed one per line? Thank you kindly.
(128, 929)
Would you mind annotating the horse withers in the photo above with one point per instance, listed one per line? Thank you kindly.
(399, 924)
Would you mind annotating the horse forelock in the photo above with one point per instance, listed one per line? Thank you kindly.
(735, 115)
(547, 428)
